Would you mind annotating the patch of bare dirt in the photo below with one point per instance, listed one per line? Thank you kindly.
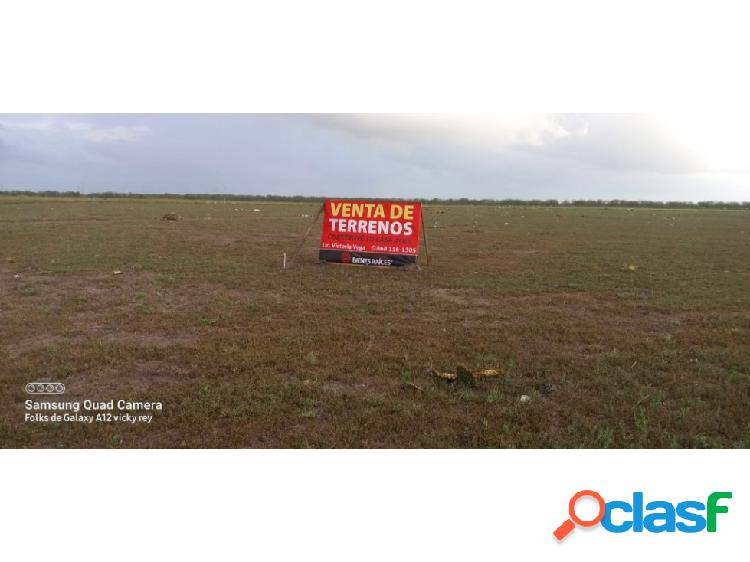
(38, 343)
(225, 239)
(340, 388)
(159, 339)
(461, 297)
(138, 376)
(98, 333)
(466, 297)
(54, 221)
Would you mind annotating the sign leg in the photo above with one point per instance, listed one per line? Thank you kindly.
(424, 235)
(307, 233)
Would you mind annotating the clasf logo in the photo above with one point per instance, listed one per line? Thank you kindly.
(653, 517)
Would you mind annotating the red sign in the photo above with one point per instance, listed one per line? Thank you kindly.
(370, 232)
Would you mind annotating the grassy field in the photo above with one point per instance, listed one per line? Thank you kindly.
(626, 328)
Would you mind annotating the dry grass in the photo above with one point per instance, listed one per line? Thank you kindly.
(244, 354)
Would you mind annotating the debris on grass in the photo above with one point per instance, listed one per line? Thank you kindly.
(170, 217)
(464, 375)
(629, 267)
(205, 321)
(547, 388)
(117, 272)
(256, 210)
(411, 384)
(16, 276)
(445, 376)
(524, 398)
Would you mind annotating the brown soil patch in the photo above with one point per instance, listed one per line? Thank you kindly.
(340, 388)
(112, 382)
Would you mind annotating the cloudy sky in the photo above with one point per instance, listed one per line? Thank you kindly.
(561, 156)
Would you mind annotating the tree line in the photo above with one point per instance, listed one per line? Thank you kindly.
(434, 201)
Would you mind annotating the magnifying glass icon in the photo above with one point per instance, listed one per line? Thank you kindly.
(562, 531)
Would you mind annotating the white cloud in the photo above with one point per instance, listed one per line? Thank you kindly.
(718, 139)
(79, 129)
(471, 142)
(39, 126)
(487, 131)
(119, 133)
